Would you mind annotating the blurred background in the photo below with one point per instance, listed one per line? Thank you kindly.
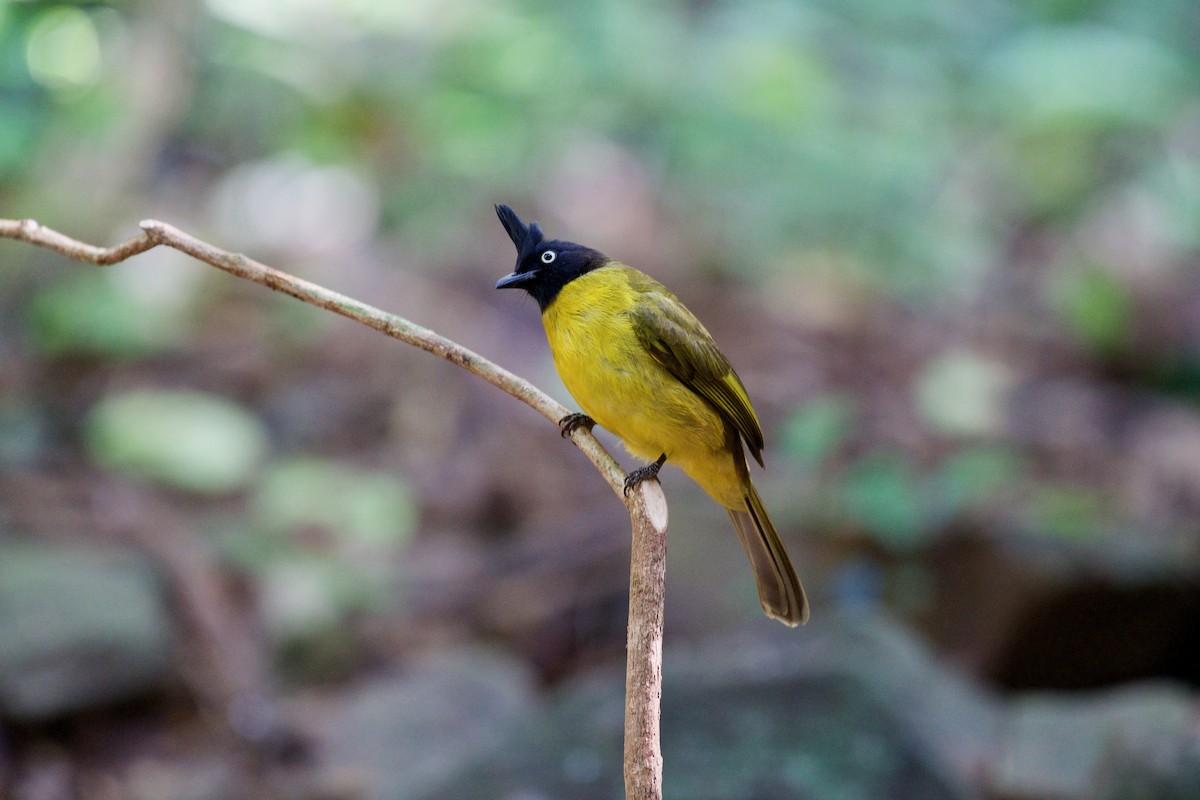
(251, 549)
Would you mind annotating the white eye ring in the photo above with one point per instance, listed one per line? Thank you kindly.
(549, 256)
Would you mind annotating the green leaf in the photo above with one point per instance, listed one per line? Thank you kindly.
(974, 475)
(1097, 308)
(185, 439)
(882, 494)
(816, 428)
(1068, 512)
(90, 314)
(363, 510)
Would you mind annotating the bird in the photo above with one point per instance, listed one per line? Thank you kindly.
(641, 365)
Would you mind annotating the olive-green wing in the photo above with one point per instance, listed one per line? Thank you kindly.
(677, 341)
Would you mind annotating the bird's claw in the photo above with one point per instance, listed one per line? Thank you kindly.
(643, 474)
(568, 424)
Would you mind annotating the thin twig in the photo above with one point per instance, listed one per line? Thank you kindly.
(28, 230)
(647, 507)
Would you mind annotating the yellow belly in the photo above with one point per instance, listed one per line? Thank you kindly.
(618, 384)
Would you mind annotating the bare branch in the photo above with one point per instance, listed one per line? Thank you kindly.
(647, 506)
(28, 230)
(643, 644)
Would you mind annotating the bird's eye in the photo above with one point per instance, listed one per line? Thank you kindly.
(549, 256)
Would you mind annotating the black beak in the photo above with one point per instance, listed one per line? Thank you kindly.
(515, 280)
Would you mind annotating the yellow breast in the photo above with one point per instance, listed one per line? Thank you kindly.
(615, 380)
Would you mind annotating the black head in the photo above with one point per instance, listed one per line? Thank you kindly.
(544, 266)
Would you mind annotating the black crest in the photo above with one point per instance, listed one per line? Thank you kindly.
(526, 238)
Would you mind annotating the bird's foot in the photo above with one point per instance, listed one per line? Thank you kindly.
(570, 422)
(643, 474)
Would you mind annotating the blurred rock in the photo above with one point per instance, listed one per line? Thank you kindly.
(398, 737)
(1087, 746)
(1052, 607)
(79, 627)
(858, 708)
(1169, 773)
(1095, 631)
(846, 709)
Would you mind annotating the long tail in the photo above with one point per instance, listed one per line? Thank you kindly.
(779, 589)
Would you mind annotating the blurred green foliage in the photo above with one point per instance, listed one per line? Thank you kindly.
(1097, 309)
(90, 314)
(907, 139)
(882, 495)
(1040, 157)
(975, 476)
(318, 539)
(1069, 512)
(318, 533)
(183, 439)
(952, 248)
(364, 510)
(816, 428)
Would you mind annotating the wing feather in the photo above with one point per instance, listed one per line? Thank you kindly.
(676, 340)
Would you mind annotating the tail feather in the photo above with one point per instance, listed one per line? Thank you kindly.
(779, 589)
